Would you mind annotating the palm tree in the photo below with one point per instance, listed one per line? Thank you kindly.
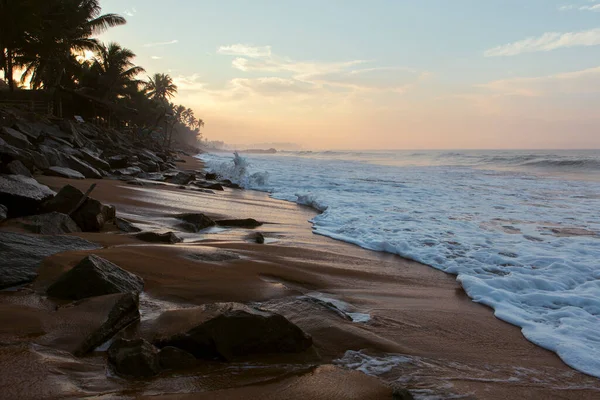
(114, 71)
(160, 87)
(67, 26)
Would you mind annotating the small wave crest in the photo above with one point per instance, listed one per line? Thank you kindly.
(237, 171)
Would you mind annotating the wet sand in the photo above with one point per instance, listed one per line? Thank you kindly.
(422, 326)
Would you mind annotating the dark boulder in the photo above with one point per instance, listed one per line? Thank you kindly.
(22, 195)
(119, 161)
(93, 160)
(3, 213)
(182, 178)
(153, 176)
(91, 216)
(64, 173)
(129, 171)
(8, 152)
(48, 224)
(134, 358)
(259, 238)
(31, 131)
(37, 159)
(174, 358)
(23, 253)
(14, 138)
(195, 222)
(126, 226)
(231, 330)
(211, 176)
(208, 185)
(153, 237)
(239, 223)
(54, 157)
(94, 276)
(402, 394)
(16, 167)
(86, 169)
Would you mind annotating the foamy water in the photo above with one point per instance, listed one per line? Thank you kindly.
(519, 229)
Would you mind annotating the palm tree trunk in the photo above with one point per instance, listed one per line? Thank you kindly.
(9, 70)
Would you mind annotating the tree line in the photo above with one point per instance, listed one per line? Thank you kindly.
(49, 43)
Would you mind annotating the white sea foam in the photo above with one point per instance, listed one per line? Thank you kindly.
(501, 232)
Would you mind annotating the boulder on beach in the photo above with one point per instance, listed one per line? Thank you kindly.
(402, 394)
(153, 237)
(208, 185)
(16, 167)
(210, 176)
(81, 166)
(3, 213)
(174, 358)
(82, 326)
(94, 160)
(126, 226)
(53, 223)
(182, 178)
(231, 330)
(94, 276)
(22, 195)
(23, 253)
(90, 216)
(64, 173)
(129, 171)
(195, 222)
(239, 223)
(14, 138)
(259, 238)
(119, 161)
(134, 358)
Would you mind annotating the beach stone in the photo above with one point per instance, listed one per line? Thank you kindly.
(134, 358)
(82, 326)
(230, 330)
(54, 157)
(126, 226)
(14, 138)
(94, 276)
(119, 161)
(148, 155)
(38, 160)
(3, 213)
(16, 167)
(239, 223)
(28, 129)
(48, 224)
(153, 237)
(64, 173)
(7, 151)
(402, 394)
(210, 176)
(195, 222)
(129, 171)
(135, 182)
(153, 176)
(86, 169)
(182, 178)
(91, 216)
(22, 195)
(94, 160)
(259, 238)
(174, 358)
(23, 253)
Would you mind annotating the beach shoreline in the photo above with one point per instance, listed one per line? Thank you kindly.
(406, 323)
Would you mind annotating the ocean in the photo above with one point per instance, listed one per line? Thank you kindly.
(519, 229)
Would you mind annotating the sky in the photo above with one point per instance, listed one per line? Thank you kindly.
(377, 74)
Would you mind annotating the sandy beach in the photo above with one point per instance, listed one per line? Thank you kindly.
(410, 325)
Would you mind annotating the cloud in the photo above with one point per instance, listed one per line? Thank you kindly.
(156, 44)
(156, 58)
(245, 50)
(577, 82)
(547, 42)
(130, 12)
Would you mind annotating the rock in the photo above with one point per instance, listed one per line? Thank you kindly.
(3, 213)
(119, 161)
(129, 171)
(54, 157)
(231, 330)
(23, 253)
(208, 185)
(239, 223)
(259, 238)
(38, 160)
(94, 160)
(86, 169)
(16, 167)
(14, 138)
(182, 178)
(90, 217)
(22, 195)
(29, 130)
(136, 182)
(7, 151)
(153, 176)
(126, 226)
(195, 222)
(402, 394)
(174, 358)
(208, 191)
(64, 173)
(153, 237)
(134, 358)
(210, 176)
(147, 155)
(48, 224)
(94, 276)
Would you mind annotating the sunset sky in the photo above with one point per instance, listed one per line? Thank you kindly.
(379, 74)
